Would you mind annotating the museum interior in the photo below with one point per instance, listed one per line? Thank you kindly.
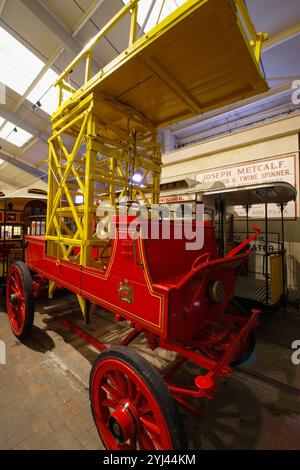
(149, 226)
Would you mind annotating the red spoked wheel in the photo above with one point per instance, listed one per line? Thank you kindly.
(131, 405)
(20, 299)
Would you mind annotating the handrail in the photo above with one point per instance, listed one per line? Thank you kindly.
(245, 242)
(88, 49)
(209, 263)
(204, 257)
(256, 38)
(132, 7)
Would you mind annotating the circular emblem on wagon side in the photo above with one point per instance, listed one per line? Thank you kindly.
(126, 292)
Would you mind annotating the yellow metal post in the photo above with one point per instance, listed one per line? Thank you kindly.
(256, 38)
(88, 66)
(133, 25)
(88, 194)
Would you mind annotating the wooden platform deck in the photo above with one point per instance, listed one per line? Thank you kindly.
(197, 59)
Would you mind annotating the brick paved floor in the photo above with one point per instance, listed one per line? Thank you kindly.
(44, 399)
(41, 405)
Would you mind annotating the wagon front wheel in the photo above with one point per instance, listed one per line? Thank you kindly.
(131, 405)
(20, 299)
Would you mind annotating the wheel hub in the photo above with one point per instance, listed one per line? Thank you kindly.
(13, 299)
(122, 424)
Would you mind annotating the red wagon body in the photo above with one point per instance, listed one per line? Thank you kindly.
(170, 294)
(180, 300)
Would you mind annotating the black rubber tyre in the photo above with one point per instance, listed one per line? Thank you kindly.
(26, 287)
(244, 312)
(155, 385)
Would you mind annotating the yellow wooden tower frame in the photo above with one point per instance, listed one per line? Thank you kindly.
(106, 132)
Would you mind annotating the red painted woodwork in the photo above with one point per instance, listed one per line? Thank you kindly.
(165, 291)
(169, 261)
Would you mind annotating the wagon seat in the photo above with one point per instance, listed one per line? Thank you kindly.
(169, 260)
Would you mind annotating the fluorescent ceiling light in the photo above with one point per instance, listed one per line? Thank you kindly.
(18, 66)
(143, 8)
(18, 138)
(46, 93)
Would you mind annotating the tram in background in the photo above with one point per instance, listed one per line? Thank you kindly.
(22, 212)
(264, 277)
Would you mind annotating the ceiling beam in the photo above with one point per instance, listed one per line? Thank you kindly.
(239, 123)
(281, 37)
(284, 88)
(2, 5)
(66, 39)
(23, 166)
(87, 15)
(48, 20)
(19, 121)
(10, 182)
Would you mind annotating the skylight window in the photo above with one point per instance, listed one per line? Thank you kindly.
(46, 93)
(15, 135)
(158, 13)
(18, 66)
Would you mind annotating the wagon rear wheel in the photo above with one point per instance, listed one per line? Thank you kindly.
(20, 299)
(131, 405)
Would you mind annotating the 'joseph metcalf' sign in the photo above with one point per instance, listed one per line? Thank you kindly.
(261, 171)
